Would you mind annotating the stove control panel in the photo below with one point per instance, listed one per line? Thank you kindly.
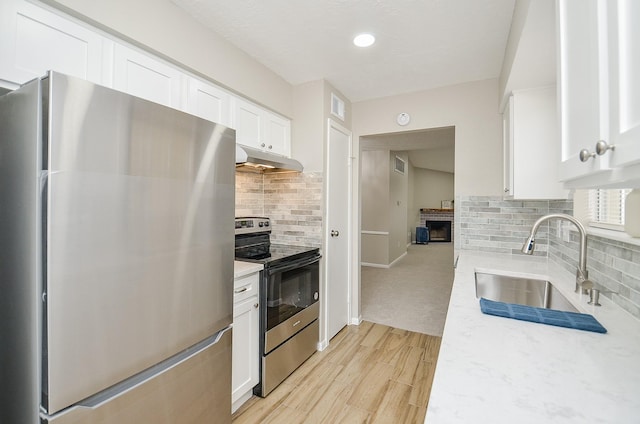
(251, 224)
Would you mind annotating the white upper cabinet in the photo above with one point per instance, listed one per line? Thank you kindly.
(583, 85)
(507, 148)
(248, 122)
(143, 76)
(624, 77)
(531, 140)
(34, 40)
(278, 134)
(257, 127)
(208, 102)
(599, 44)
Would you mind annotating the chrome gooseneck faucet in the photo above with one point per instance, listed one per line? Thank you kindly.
(582, 275)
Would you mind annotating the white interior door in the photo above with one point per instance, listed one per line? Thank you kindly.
(337, 245)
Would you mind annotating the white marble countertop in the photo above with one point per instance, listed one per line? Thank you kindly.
(240, 269)
(498, 370)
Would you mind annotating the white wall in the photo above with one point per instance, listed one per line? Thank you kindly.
(375, 190)
(375, 211)
(168, 31)
(472, 108)
(412, 207)
(385, 204)
(311, 109)
(398, 198)
(308, 128)
(431, 187)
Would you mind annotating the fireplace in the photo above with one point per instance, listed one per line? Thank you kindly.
(439, 231)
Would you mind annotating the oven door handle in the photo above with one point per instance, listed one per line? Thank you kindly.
(297, 264)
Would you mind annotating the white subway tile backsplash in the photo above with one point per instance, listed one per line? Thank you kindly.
(292, 201)
(492, 224)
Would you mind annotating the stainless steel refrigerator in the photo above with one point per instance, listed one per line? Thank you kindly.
(116, 258)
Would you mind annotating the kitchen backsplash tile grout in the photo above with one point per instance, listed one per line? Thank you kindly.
(292, 201)
(493, 224)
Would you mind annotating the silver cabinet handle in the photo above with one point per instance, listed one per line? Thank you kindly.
(262, 145)
(585, 155)
(256, 305)
(270, 147)
(602, 147)
(335, 233)
(244, 289)
(506, 190)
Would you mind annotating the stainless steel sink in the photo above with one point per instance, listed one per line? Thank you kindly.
(522, 291)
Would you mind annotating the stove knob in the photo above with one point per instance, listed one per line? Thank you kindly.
(266, 223)
(260, 224)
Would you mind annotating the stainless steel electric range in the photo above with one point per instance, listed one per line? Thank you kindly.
(289, 294)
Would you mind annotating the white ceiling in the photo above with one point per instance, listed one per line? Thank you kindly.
(421, 44)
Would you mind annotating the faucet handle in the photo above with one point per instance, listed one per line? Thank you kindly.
(583, 284)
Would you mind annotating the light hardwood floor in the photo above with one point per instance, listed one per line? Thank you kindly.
(370, 373)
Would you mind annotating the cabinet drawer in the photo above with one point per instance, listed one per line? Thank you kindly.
(245, 287)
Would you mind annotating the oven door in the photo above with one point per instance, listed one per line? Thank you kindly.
(290, 299)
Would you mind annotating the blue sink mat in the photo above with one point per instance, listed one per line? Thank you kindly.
(544, 316)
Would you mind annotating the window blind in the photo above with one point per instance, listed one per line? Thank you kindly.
(606, 208)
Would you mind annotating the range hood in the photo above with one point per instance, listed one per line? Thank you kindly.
(249, 159)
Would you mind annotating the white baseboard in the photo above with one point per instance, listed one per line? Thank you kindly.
(373, 265)
(382, 265)
(322, 345)
(241, 400)
(356, 321)
(397, 259)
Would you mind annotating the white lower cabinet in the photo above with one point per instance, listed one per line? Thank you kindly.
(245, 368)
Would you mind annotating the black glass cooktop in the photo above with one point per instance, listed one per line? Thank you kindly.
(272, 254)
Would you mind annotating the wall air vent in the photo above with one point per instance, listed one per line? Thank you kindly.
(337, 107)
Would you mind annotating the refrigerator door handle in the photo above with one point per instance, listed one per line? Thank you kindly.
(157, 369)
(204, 367)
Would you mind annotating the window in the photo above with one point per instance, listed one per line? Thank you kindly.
(606, 208)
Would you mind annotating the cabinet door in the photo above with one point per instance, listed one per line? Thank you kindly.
(248, 124)
(507, 143)
(583, 85)
(259, 128)
(535, 149)
(209, 102)
(277, 134)
(143, 76)
(34, 40)
(624, 76)
(245, 364)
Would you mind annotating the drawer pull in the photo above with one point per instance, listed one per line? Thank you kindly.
(244, 289)
(296, 323)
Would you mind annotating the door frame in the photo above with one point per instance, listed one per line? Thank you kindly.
(324, 328)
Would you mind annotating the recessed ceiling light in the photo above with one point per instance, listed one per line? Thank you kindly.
(364, 40)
